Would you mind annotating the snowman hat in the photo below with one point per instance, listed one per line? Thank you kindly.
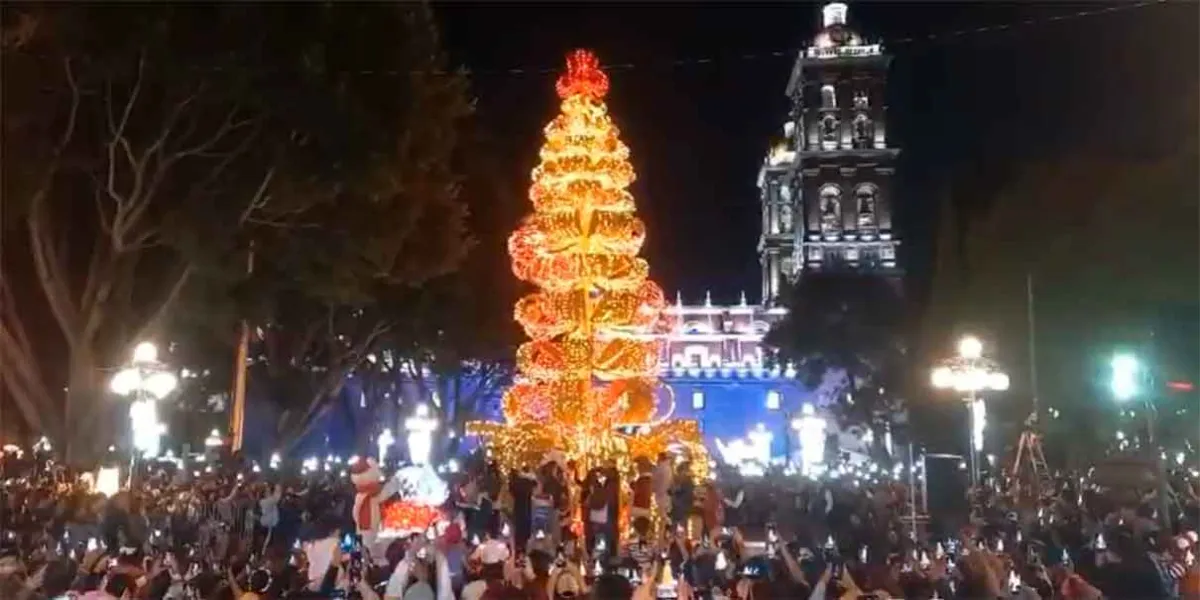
(364, 472)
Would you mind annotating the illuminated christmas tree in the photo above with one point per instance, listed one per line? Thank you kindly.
(587, 379)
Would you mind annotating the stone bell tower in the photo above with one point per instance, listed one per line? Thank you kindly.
(836, 159)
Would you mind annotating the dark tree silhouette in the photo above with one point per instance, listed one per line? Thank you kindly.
(1108, 238)
(147, 148)
(849, 322)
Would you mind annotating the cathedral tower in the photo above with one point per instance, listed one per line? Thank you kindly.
(831, 176)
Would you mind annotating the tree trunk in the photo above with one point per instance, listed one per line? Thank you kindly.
(84, 431)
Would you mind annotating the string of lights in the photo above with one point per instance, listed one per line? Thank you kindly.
(688, 62)
(891, 44)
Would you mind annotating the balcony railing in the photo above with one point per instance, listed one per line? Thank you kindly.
(844, 51)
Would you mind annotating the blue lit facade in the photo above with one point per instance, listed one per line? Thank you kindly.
(715, 364)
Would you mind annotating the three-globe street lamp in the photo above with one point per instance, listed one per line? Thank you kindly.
(146, 381)
(970, 373)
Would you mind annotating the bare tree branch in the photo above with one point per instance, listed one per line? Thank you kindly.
(228, 125)
(117, 130)
(96, 292)
(259, 199)
(49, 267)
(335, 376)
(236, 152)
(166, 304)
(118, 139)
(156, 147)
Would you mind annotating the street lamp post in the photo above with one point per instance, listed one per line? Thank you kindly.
(1127, 380)
(145, 381)
(970, 373)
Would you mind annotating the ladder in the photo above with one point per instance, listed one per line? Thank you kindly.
(1029, 475)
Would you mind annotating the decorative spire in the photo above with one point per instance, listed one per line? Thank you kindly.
(583, 76)
(834, 13)
(707, 298)
(743, 301)
(678, 298)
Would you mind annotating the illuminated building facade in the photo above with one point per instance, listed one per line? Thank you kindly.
(826, 204)
(826, 186)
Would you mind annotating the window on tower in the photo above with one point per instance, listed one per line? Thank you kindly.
(831, 209)
(828, 96)
(865, 198)
(697, 400)
(829, 132)
(864, 131)
(772, 196)
(861, 100)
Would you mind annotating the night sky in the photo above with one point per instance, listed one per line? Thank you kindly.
(697, 90)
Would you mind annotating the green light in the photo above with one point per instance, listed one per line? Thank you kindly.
(1124, 382)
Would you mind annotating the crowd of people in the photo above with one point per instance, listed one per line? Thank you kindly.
(231, 532)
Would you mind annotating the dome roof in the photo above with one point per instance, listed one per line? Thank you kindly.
(834, 31)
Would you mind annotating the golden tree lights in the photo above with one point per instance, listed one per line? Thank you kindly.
(587, 378)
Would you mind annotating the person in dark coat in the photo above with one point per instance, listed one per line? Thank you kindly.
(612, 491)
(682, 495)
(115, 524)
(595, 505)
(520, 486)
